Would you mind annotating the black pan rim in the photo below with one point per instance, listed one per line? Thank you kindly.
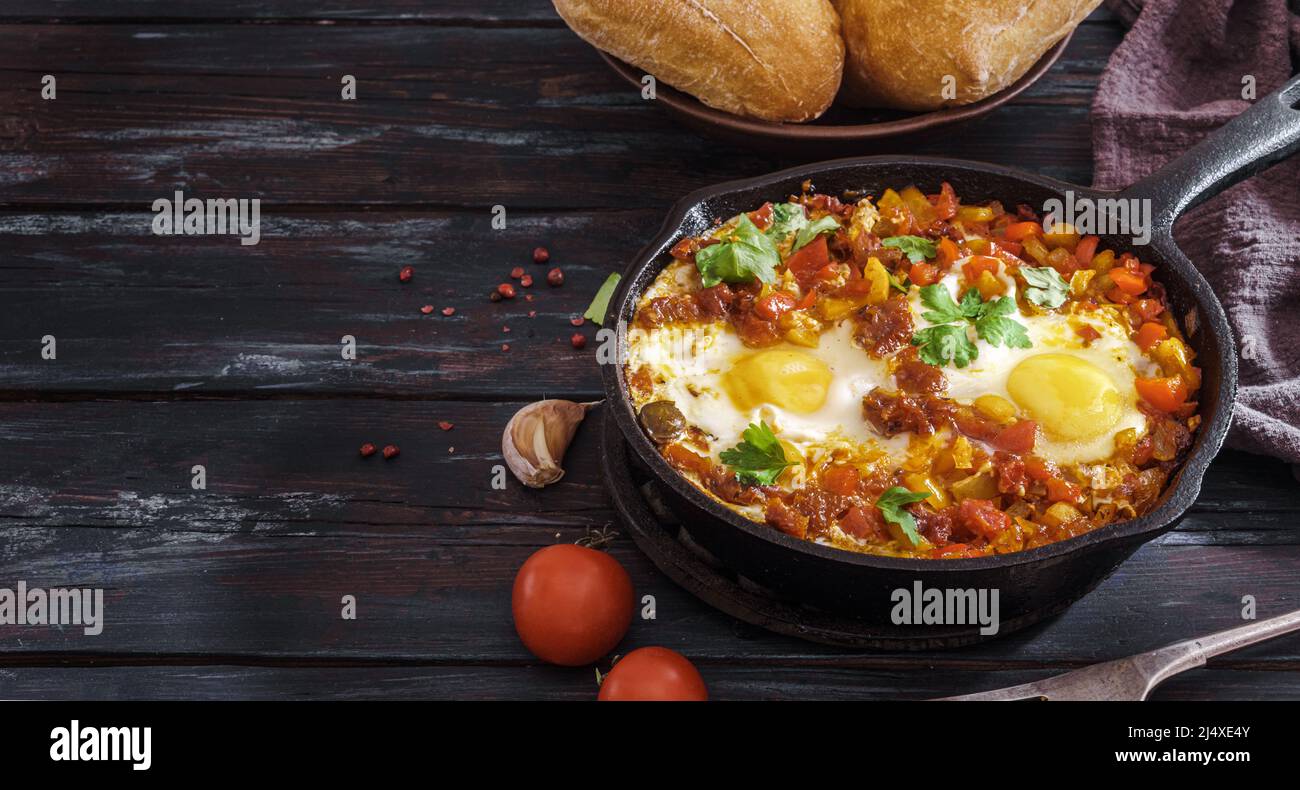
(1177, 499)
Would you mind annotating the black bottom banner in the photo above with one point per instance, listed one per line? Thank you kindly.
(338, 739)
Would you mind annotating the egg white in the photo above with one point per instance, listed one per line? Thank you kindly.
(693, 359)
(1113, 352)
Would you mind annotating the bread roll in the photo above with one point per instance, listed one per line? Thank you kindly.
(779, 60)
(899, 51)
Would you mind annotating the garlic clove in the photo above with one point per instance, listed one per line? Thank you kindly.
(535, 439)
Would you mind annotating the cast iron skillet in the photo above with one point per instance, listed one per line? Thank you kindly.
(1030, 583)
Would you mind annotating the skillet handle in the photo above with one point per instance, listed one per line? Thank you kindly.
(1260, 137)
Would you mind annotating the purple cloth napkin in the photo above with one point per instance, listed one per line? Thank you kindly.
(1176, 76)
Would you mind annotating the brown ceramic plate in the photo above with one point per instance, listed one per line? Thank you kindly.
(840, 126)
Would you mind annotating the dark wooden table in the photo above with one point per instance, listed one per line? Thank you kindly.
(183, 350)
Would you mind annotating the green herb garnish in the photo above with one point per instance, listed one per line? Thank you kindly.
(600, 304)
(993, 326)
(948, 341)
(812, 230)
(1046, 286)
(891, 505)
(759, 458)
(945, 343)
(747, 253)
(786, 219)
(943, 310)
(916, 248)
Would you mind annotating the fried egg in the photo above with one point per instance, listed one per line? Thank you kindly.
(811, 397)
(1080, 394)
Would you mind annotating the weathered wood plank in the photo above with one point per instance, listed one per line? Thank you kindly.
(287, 468)
(292, 519)
(291, 468)
(445, 12)
(725, 682)
(466, 12)
(132, 312)
(204, 596)
(463, 116)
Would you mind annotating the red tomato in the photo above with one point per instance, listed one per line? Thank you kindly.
(954, 550)
(827, 273)
(1013, 477)
(771, 307)
(810, 258)
(1005, 250)
(1146, 309)
(1087, 333)
(653, 674)
(572, 604)
(1017, 437)
(863, 522)
(976, 427)
(1062, 491)
(685, 250)
(842, 480)
(982, 517)
(945, 203)
(1040, 470)
(1143, 450)
(762, 218)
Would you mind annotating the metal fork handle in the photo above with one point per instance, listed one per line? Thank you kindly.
(1146, 670)
(1182, 656)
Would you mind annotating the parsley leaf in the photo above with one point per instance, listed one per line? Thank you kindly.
(971, 306)
(807, 233)
(948, 340)
(945, 343)
(997, 307)
(891, 505)
(786, 219)
(600, 305)
(1046, 286)
(993, 326)
(943, 309)
(998, 331)
(903, 285)
(916, 248)
(759, 458)
(746, 255)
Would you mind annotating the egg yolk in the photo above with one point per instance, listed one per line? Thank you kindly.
(787, 379)
(1071, 399)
